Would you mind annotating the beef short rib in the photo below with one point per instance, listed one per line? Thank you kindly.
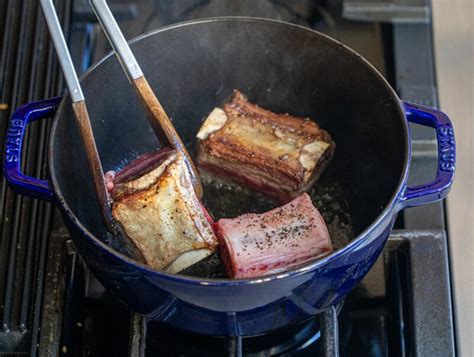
(259, 244)
(155, 203)
(277, 154)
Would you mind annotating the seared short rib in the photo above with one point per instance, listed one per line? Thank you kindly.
(259, 244)
(155, 203)
(277, 154)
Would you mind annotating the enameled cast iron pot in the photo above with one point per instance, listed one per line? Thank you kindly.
(193, 67)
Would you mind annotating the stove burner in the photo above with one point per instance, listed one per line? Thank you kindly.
(306, 336)
(303, 12)
(295, 338)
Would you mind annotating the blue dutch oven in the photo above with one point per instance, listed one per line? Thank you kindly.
(193, 67)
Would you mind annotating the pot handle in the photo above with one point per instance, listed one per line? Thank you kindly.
(440, 186)
(19, 182)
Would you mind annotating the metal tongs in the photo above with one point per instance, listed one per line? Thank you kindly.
(80, 113)
(160, 122)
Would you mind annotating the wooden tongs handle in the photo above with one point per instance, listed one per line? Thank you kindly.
(80, 111)
(159, 121)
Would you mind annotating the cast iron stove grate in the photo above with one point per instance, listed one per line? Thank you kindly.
(28, 72)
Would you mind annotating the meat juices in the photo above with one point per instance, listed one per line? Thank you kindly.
(260, 244)
(155, 203)
(277, 154)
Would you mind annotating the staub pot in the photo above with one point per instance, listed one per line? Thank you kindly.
(193, 67)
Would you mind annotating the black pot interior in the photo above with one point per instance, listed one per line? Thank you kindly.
(194, 67)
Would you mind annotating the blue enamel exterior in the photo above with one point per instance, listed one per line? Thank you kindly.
(439, 187)
(236, 307)
(19, 182)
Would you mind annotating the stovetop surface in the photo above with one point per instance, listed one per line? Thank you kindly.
(403, 306)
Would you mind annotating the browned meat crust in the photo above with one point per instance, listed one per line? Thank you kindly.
(160, 212)
(278, 154)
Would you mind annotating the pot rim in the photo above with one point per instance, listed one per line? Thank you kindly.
(391, 206)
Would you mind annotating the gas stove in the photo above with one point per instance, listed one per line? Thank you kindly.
(51, 304)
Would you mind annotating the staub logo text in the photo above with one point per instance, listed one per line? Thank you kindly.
(13, 139)
(446, 148)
